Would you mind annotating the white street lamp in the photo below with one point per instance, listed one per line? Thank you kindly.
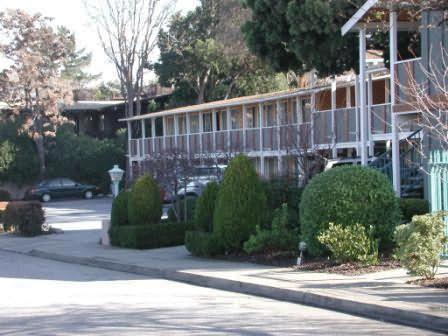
(116, 174)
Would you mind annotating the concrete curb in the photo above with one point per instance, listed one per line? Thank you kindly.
(369, 310)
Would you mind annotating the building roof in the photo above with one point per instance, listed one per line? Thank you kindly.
(93, 105)
(369, 4)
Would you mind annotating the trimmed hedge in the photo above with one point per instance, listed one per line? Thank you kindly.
(241, 204)
(25, 218)
(205, 208)
(413, 206)
(119, 213)
(203, 244)
(145, 204)
(5, 196)
(148, 236)
(349, 195)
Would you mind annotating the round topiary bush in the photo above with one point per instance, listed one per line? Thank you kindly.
(205, 208)
(145, 204)
(119, 214)
(240, 205)
(347, 196)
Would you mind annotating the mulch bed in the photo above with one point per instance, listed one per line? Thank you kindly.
(326, 266)
(434, 283)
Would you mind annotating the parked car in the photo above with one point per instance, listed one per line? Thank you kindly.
(61, 187)
(202, 176)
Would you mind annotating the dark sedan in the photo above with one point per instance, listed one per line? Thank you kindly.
(61, 187)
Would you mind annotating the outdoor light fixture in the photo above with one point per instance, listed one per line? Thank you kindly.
(116, 174)
(302, 248)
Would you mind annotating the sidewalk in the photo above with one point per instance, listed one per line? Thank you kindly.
(383, 295)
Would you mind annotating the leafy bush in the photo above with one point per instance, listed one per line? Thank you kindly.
(203, 244)
(4, 196)
(25, 218)
(349, 195)
(413, 206)
(205, 208)
(420, 243)
(240, 205)
(349, 244)
(178, 209)
(277, 239)
(19, 163)
(82, 158)
(144, 204)
(148, 236)
(282, 190)
(119, 213)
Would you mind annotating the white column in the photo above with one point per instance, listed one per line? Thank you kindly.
(153, 134)
(143, 138)
(187, 122)
(214, 116)
(279, 159)
(362, 95)
(244, 127)
(201, 130)
(130, 172)
(261, 112)
(348, 97)
(333, 118)
(299, 118)
(369, 115)
(313, 111)
(229, 126)
(164, 132)
(357, 104)
(396, 176)
(176, 130)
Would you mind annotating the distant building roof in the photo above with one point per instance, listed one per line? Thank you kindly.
(93, 105)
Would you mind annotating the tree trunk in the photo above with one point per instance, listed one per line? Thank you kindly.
(39, 141)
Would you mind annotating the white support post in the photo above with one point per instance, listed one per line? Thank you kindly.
(348, 97)
(261, 122)
(153, 134)
(187, 122)
(214, 123)
(176, 130)
(229, 127)
(143, 138)
(129, 151)
(244, 127)
(369, 116)
(313, 111)
(396, 176)
(333, 118)
(164, 132)
(362, 95)
(279, 121)
(358, 148)
(201, 130)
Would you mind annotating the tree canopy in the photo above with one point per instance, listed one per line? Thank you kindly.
(204, 56)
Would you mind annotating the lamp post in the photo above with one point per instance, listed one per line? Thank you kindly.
(116, 174)
(302, 248)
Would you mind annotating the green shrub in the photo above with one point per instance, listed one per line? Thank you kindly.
(420, 243)
(413, 206)
(278, 239)
(240, 205)
(119, 213)
(4, 196)
(145, 204)
(205, 208)
(282, 190)
(349, 244)
(148, 236)
(203, 244)
(347, 196)
(25, 218)
(178, 209)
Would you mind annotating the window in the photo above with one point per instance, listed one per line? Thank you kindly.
(207, 122)
(306, 110)
(237, 119)
(182, 124)
(102, 125)
(294, 110)
(194, 123)
(54, 183)
(283, 113)
(159, 127)
(148, 128)
(169, 125)
(270, 118)
(221, 120)
(67, 183)
(136, 129)
(252, 117)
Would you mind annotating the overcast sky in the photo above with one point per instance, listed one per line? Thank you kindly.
(71, 13)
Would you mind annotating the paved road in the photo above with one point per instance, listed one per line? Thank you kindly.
(41, 297)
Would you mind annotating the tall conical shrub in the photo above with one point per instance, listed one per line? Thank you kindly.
(240, 205)
(205, 208)
(144, 204)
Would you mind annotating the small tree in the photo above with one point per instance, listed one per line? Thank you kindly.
(205, 208)
(420, 244)
(145, 204)
(240, 204)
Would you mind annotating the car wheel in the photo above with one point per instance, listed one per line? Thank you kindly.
(88, 195)
(46, 198)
